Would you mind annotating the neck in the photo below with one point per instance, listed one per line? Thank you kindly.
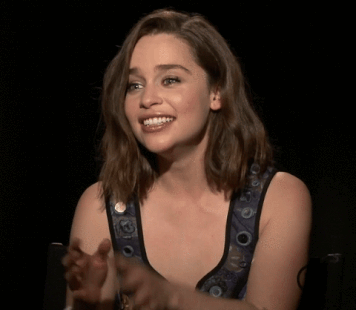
(184, 177)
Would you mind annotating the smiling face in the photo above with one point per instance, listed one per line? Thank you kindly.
(168, 98)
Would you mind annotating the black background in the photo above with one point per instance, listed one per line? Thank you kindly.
(52, 59)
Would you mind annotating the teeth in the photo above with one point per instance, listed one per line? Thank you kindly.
(157, 121)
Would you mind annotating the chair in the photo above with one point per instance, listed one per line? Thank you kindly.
(55, 285)
(323, 283)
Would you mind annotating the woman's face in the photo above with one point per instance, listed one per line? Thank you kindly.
(168, 98)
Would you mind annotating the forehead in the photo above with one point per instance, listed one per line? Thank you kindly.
(161, 49)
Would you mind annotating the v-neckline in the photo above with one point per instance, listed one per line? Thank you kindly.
(210, 273)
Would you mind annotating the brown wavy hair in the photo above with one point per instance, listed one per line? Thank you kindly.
(237, 137)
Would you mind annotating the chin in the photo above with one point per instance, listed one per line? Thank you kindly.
(160, 150)
(155, 145)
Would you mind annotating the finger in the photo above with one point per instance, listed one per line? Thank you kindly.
(121, 263)
(79, 294)
(75, 254)
(74, 280)
(74, 250)
(104, 249)
(68, 261)
(75, 243)
(133, 281)
(91, 297)
(142, 298)
(71, 259)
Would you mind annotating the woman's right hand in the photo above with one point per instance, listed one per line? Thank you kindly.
(86, 274)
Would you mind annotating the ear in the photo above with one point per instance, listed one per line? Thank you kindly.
(215, 100)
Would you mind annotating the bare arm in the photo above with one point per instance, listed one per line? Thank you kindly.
(90, 226)
(281, 252)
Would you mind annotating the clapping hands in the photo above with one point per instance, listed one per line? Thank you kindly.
(86, 275)
(148, 289)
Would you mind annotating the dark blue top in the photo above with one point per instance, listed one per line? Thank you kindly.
(229, 278)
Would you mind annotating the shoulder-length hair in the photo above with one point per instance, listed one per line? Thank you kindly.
(237, 137)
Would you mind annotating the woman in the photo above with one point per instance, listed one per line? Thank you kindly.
(187, 193)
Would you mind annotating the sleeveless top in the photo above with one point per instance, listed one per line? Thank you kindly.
(229, 278)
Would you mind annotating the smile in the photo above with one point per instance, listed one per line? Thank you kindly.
(156, 121)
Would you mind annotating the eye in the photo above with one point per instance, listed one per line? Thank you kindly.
(133, 86)
(170, 81)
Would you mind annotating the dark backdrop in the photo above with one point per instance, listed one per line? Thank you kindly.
(52, 59)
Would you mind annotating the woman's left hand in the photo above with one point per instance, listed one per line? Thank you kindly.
(147, 289)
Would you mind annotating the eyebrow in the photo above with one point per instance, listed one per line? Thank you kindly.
(164, 67)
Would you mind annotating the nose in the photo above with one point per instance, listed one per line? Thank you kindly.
(150, 96)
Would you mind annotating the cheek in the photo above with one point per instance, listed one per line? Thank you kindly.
(196, 104)
(188, 99)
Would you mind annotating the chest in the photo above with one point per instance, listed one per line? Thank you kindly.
(184, 244)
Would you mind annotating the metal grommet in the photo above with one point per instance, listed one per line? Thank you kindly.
(128, 251)
(255, 169)
(243, 238)
(120, 207)
(127, 226)
(229, 276)
(245, 196)
(215, 291)
(243, 264)
(247, 212)
(256, 183)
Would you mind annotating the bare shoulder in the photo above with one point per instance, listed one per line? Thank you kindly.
(90, 222)
(91, 197)
(287, 201)
(283, 245)
(287, 193)
(290, 181)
